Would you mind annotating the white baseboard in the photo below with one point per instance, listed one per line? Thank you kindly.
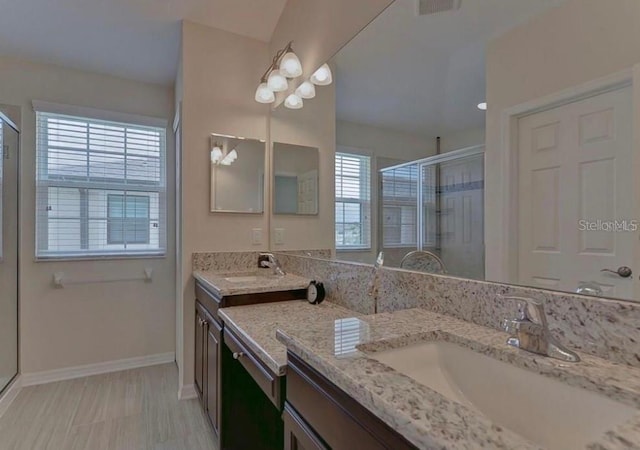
(68, 373)
(10, 394)
(187, 392)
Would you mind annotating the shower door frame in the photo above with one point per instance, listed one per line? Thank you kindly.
(4, 118)
(421, 163)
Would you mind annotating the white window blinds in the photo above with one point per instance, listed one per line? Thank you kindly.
(101, 188)
(400, 206)
(353, 201)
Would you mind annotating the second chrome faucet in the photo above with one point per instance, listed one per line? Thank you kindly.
(530, 331)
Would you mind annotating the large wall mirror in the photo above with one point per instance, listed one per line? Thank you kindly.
(237, 174)
(295, 179)
(494, 140)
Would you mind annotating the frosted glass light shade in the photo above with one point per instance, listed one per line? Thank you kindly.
(322, 76)
(290, 66)
(264, 94)
(276, 82)
(231, 157)
(482, 106)
(216, 155)
(306, 90)
(293, 102)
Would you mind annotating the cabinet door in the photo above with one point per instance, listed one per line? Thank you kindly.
(199, 356)
(297, 434)
(212, 396)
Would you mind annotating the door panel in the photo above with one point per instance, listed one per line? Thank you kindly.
(575, 188)
(199, 352)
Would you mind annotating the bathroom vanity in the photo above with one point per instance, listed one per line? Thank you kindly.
(222, 361)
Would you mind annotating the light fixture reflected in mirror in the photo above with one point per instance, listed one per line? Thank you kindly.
(216, 154)
(306, 90)
(322, 76)
(293, 102)
(219, 157)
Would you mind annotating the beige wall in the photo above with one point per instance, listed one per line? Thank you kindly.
(99, 322)
(220, 72)
(580, 41)
(312, 126)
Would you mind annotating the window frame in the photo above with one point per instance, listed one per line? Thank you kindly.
(118, 186)
(365, 205)
(399, 203)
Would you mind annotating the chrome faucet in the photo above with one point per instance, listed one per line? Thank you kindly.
(530, 331)
(273, 263)
(374, 285)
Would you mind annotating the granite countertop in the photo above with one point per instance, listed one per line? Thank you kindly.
(257, 281)
(425, 417)
(256, 325)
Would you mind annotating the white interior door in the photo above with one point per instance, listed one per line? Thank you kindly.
(575, 188)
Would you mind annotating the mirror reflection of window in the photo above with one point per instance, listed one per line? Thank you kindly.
(353, 201)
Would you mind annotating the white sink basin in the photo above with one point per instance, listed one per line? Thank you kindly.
(542, 410)
(242, 279)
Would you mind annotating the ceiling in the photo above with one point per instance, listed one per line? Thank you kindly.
(424, 74)
(136, 39)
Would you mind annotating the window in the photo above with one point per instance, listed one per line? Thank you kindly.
(399, 204)
(100, 188)
(128, 219)
(353, 201)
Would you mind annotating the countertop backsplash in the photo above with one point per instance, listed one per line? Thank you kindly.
(230, 261)
(605, 328)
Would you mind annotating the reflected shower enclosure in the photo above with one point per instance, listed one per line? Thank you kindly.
(435, 206)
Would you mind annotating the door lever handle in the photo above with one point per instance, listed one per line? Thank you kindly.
(623, 271)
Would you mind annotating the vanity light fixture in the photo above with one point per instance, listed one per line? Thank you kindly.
(264, 94)
(482, 106)
(306, 90)
(322, 76)
(293, 102)
(285, 64)
(290, 66)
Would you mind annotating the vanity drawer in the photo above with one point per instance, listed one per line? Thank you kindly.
(268, 382)
(209, 301)
(338, 419)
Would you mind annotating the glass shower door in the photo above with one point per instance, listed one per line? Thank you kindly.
(8, 253)
(453, 214)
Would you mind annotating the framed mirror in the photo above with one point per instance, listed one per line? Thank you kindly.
(295, 179)
(237, 174)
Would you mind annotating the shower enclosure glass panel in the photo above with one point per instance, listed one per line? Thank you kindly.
(450, 220)
(8, 253)
(399, 213)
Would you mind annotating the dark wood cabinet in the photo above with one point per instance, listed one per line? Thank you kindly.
(319, 415)
(261, 407)
(212, 398)
(297, 434)
(199, 348)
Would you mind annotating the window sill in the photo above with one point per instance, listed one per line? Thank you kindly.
(61, 258)
(353, 249)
